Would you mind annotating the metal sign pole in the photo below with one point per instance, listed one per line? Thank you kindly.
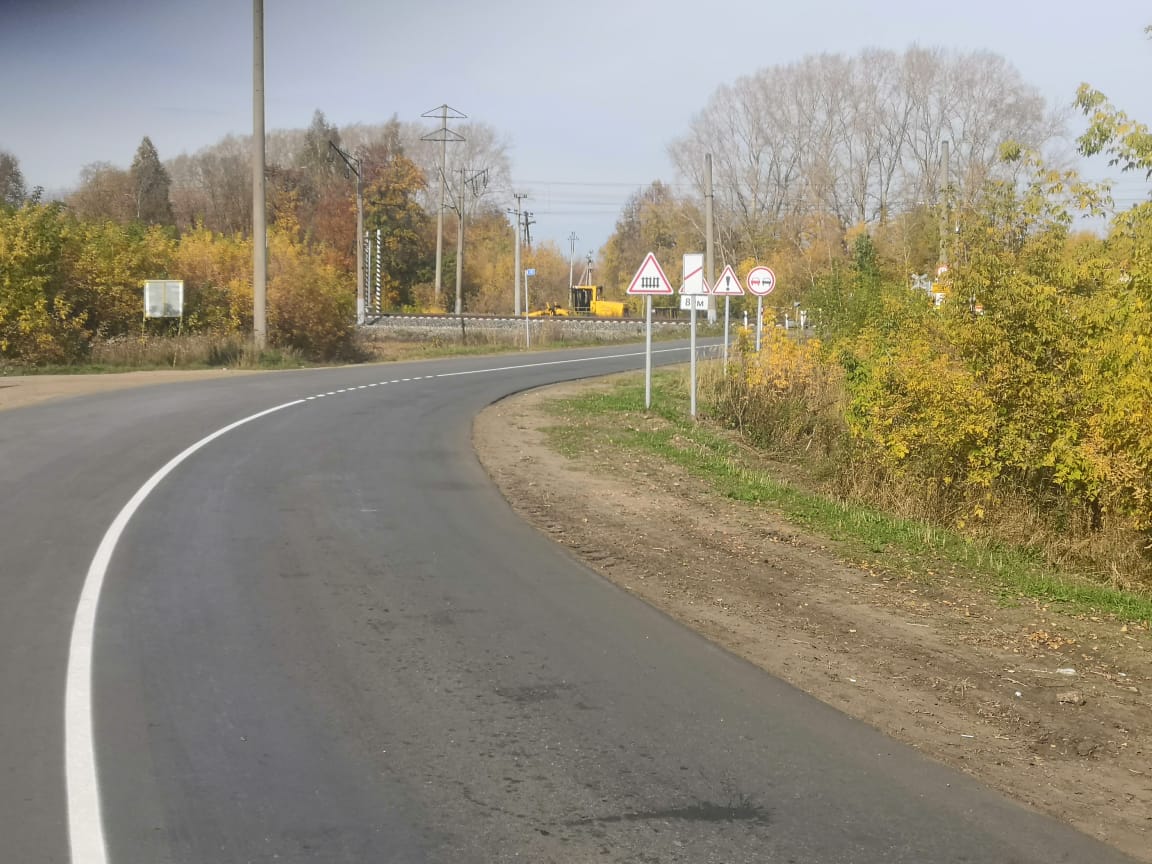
(759, 320)
(727, 304)
(692, 401)
(648, 353)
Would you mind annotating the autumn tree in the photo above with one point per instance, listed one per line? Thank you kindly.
(391, 206)
(489, 262)
(150, 184)
(653, 220)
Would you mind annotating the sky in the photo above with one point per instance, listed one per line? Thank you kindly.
(588, 94)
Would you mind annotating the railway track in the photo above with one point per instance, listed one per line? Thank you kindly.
(479, 317)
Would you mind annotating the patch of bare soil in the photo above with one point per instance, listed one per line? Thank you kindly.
(18, 391)
(1051, 709)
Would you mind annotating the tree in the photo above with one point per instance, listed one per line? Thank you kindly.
(856, 140)
(150, 183)
(391, 206)
(315, 155)
(214, 186)
(653, 220)
(105, 193)
(1128, 143)
(12, 190)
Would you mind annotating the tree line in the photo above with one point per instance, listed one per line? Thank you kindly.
(71, 271)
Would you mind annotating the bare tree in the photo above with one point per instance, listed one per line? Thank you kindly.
(214, 186)
(105, 192)
(856, 140)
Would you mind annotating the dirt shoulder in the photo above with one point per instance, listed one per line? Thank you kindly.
(18, 391)
(1051, 709)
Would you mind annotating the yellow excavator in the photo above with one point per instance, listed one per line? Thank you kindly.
(586, 302)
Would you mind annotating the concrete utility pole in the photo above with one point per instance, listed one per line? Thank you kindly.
(945, 185)
(259, 226)
(443, 135)
(356, 166)
(460, 246)
(709, 249)
(519, 196)
(478, 178)
(572, 238)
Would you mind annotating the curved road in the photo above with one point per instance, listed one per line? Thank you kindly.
(324, 637)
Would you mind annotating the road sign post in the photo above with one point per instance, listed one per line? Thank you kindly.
(727, 286)
(694, 290)
(648, 282)
(761, 282)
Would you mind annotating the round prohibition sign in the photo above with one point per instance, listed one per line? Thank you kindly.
(761, 281)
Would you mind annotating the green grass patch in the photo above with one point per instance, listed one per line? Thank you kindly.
(617, 421)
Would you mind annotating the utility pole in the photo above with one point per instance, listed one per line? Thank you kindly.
(259, 226)
(519, 196)
(356, 166)
(572, 238)
(443, 135)
(945, 186)
(460, 246)
(709, 248)
(478, 177)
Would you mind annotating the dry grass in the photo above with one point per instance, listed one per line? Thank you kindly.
(191, 351)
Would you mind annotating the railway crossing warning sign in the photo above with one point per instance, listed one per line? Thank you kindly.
(728, 285)
(650, 279)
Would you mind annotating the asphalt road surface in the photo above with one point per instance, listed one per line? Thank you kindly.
(323, 636)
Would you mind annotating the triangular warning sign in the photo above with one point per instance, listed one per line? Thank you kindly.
(650, 279)
(728, 285)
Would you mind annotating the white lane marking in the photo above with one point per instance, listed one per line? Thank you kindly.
(85, 825)
(558, 362)
(85, 822)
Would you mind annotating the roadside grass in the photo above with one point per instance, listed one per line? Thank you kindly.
(179, 353)
(617, 421)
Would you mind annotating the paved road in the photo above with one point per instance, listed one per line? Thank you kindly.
(326, 638)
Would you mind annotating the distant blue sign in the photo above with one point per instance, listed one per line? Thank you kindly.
(531, 271)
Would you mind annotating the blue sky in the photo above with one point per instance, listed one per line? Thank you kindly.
(589, 94)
